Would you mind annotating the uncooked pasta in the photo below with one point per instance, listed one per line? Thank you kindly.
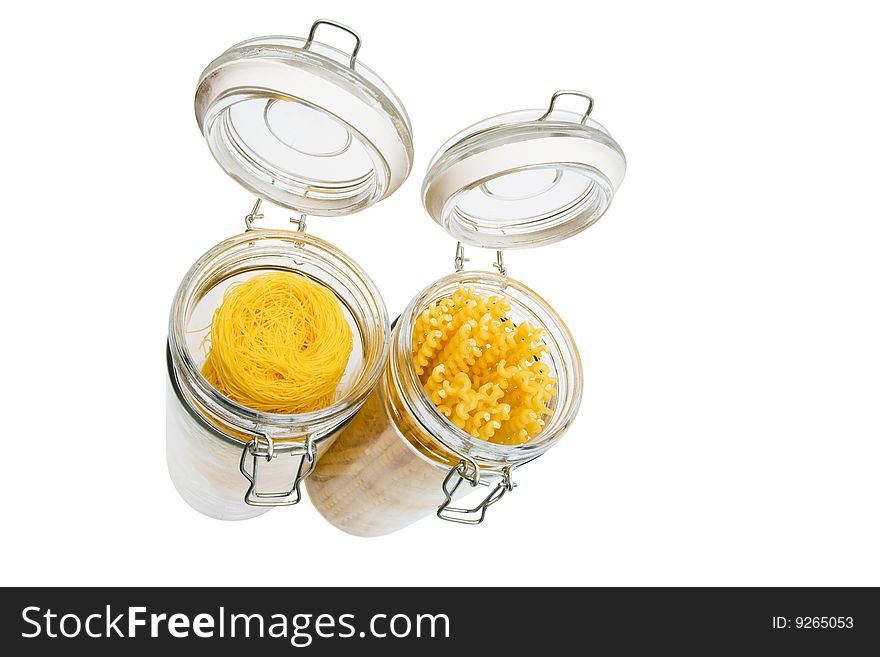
(279, 342)
(485, 374)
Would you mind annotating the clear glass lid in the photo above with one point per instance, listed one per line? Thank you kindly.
(303, 124)
(524, 178)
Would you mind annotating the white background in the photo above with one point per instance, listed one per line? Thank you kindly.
(726, 305)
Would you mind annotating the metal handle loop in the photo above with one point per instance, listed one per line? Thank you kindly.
(344, 28)
(253, 497)
(474, 515)
(570, 92)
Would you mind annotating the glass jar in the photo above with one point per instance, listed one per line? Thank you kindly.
(215, 446)
(517, 180)
(401, 459)
(310, 128)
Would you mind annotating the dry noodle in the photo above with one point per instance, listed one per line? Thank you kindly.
(279, 343)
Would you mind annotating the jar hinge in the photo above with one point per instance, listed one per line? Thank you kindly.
(467, 470)
(460, 259)
(254, 449)
(254, 215)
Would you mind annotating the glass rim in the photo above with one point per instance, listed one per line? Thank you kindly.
(515, 142)
(458, 441)
(318, 76)
(251, 421)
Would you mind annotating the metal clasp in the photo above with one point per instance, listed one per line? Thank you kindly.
(460, 259)
(344, 28)
(474, 515)
(256, 450)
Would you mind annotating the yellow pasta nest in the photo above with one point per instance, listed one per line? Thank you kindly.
(279, 343)
(484, 373)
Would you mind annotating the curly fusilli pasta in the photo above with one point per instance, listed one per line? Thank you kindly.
(483, 372)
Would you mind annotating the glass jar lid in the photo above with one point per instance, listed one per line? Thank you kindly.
(304, 124)
(524, 178)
